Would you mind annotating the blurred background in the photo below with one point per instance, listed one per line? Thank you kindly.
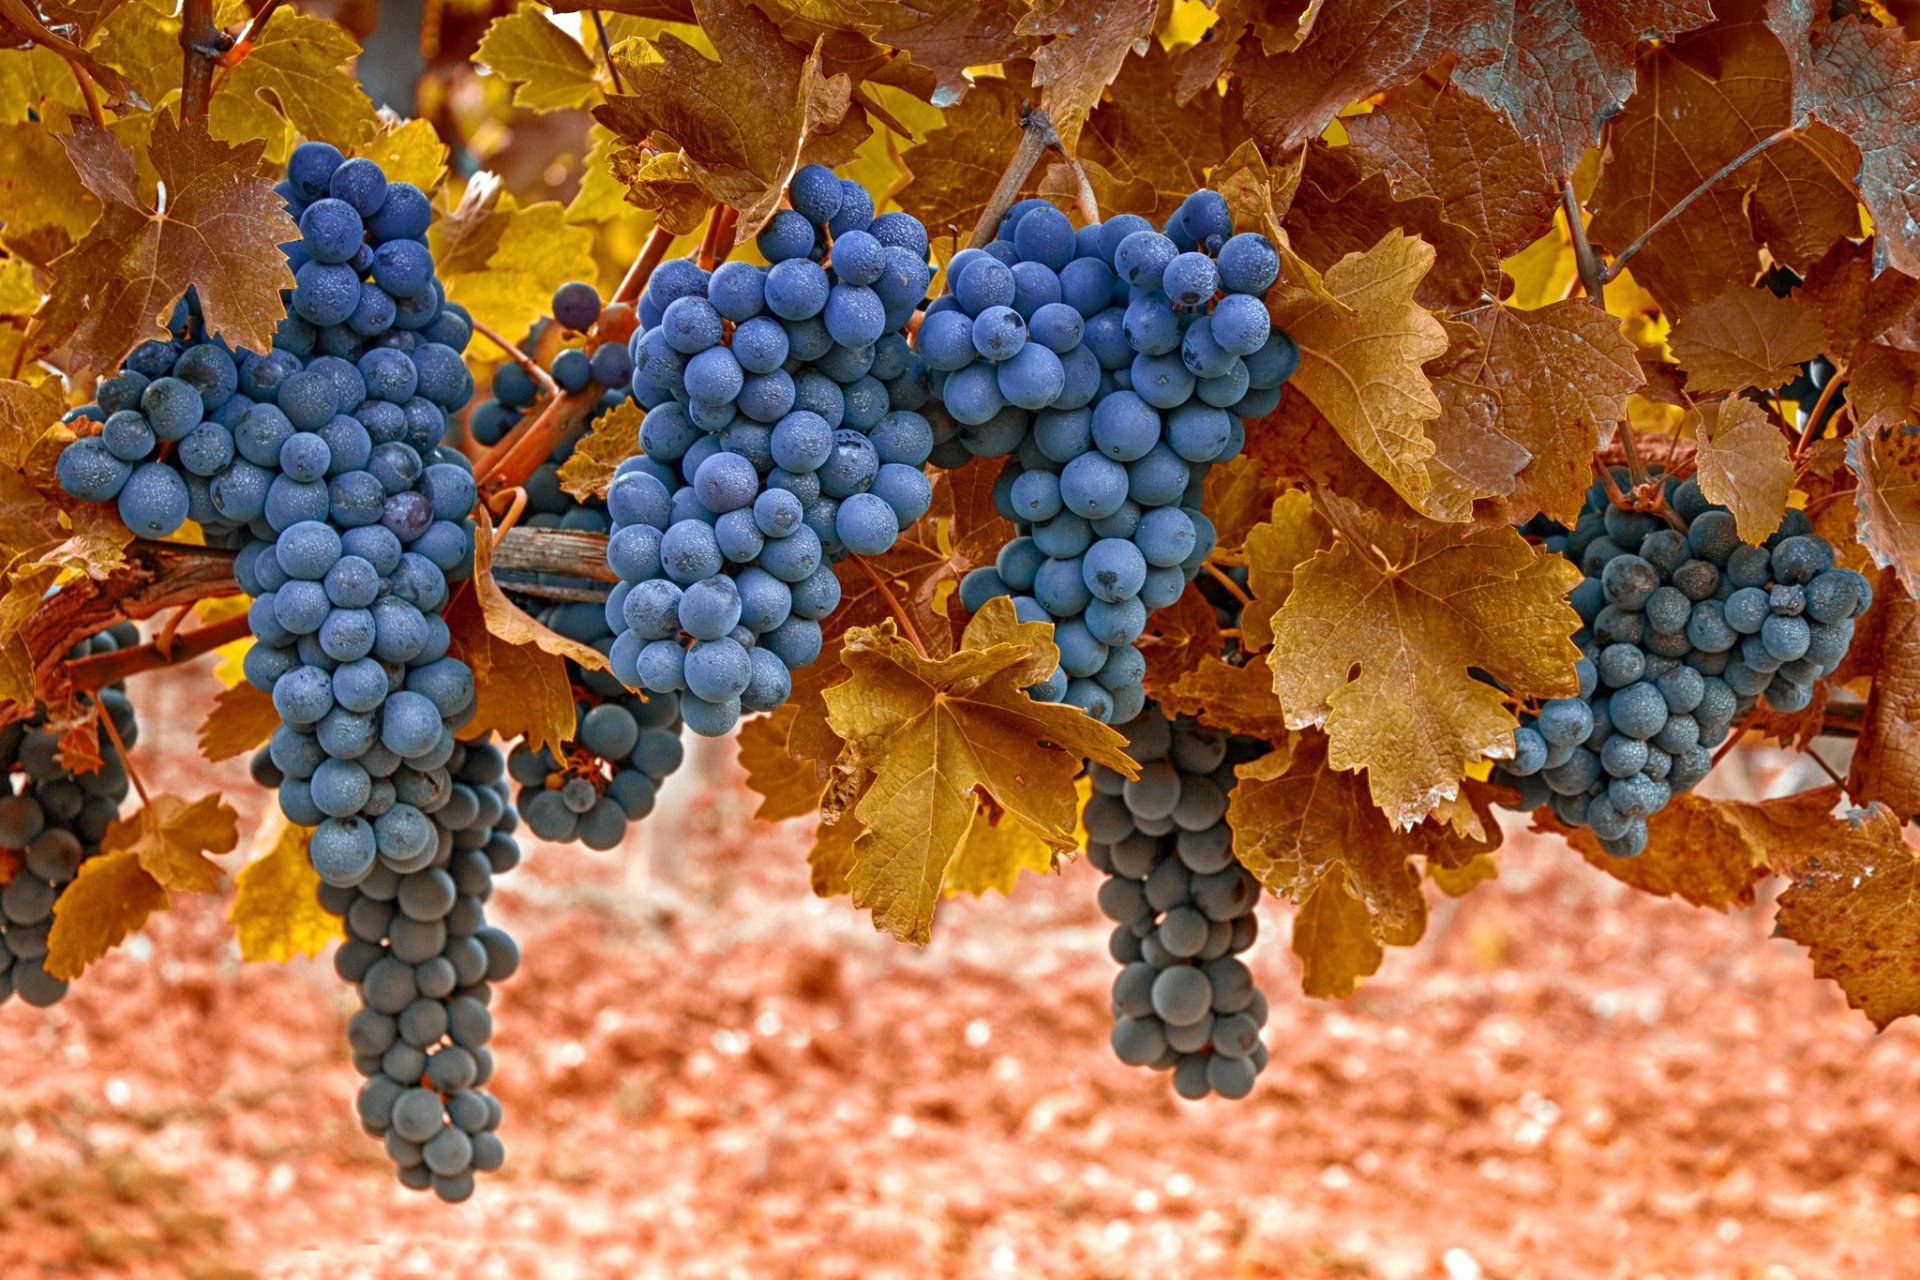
(707, 1072)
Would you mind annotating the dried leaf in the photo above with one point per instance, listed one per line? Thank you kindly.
(996, 850)
(1886, 761)
(949, 36)
(1178, 637)
(930, 731)
(28, 411)
(1334, 939)
(1743, 466)
(518, 688)
(611, 440)
(1887, 463)
(950, 176)
(171, 837)
(507, 620)
(1237, 699)
(1360, 354)
(219, 230)
(1090, 39)
(1851, 905)
(276, 912)
(1275, 548)
(786, 787)
(1745, 338)
(1382, 658)
(548, 68)
(241, 720)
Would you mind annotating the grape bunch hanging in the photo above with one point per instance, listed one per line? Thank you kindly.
(1685, 628)
(1113, 366)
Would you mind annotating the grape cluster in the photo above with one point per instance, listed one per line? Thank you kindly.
(1683, 632)
(1183, 905)
(322, 460)
(782, 433)
(1115, 365)
(51, 821)
(423, 958)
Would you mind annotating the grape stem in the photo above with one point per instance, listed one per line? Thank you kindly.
(606, 49)
(649, 257)
(126, 758)
(1819, 413)
(719, 228)
(547, 385)
(516, 507)
(1037, 135)
(894, 607)
(88, 92)
(1681, 205)
(1227, 583)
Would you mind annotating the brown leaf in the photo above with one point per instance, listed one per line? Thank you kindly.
(949, 36)
(611, 440)
(1858, 306)
(949, 177)
(1864, 81)
(1089, 41)
(1702, 100)
(507, 620)
(1362, 341)
(1745, 338)
(1378, 640)
(1258, 196)
(1488, 177)
(218, 230)
(1238, 496)
(745, 122)
(1887, 463)
(1886, 761)
(1743, 466)
(1851, 905)
(1237, 699)
(1473, 457)
(241, 719)
(1563, 373)
(1883, 387)
(1178, 637)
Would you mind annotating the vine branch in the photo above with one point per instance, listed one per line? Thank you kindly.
(1593, 276)
(606, 49)
(1681, 205)
(1037, 135)
(1819, 413)
(202, 43)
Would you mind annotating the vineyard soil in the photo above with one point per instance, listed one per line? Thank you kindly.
(708, 1073)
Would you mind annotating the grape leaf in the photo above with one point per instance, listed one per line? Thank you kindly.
(1566, 67)
(1488, 177)
(949, 36)
(1887, 462)
(276, 912)
(1275, 548)
(518, 688)
(42, 202)
(172, 837)
(1745, 338)
(1377, 640)
(1864, 81)
(1237, 497)
(787, 786)
(111, 897)
(507, 620)
(1178, 637)
(1258, 196)
(1704, 99)
(1362, 341)
(241, 720)
(1563, 373)
(1886, 760)
(996, 850)
(951, 174)
(1851, 906)
(1335, 940)
(611, 440)
(745, 122)
(547, 67)
(1743, 466)
(1711, 852)
(1090, 39)
(219, 229)
(300, 69)
(930, 730)
(663, 184)
(830, 861)
(408, 152)
(1473, 459)
(19, 24)
(28, 411)
(1238, 699)
(499, 260)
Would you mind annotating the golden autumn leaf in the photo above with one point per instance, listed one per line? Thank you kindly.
(997, 849)
(1237, 497)
(1238, 699)
(950, 174)
(931, 730)
(1361, 352)
(508, 621)
(172, 837)
(241, 719)
(111, 897)
(276, 912)
(1851, 905)
(830, 860)
(408, 152)
(787, 787)
(1712, 852)
(1743, 466)
(612, 439)
(1178, 637)
(27, 412)
(1563, 372)
(1745, 338)
(746, 121)
(499, 260)
(297, 79)
(46, 216)
(1335, 940)
(1258, 196)
(547, 67)
(1376, 644)
(218, 230)
(1275, 548)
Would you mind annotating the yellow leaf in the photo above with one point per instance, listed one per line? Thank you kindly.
(45, 217)
(300, 69)
(831, 858)
(1851, 905)
(111, 897)
(1743, 338)
(1336, 946)
(1542, 272)
(1744, 465)
(1238, 699)
(995, 852)
(499, 261)
(1275, 548)
(930, 731)
(242, 718)
(549, 69)
(171, 837)
(276, 912)
(409, 151)
(1360, 359)
(1378, 639)
(27, 412)
(602, 198)
(611, 440)
(1458, 882)
(787, 787)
